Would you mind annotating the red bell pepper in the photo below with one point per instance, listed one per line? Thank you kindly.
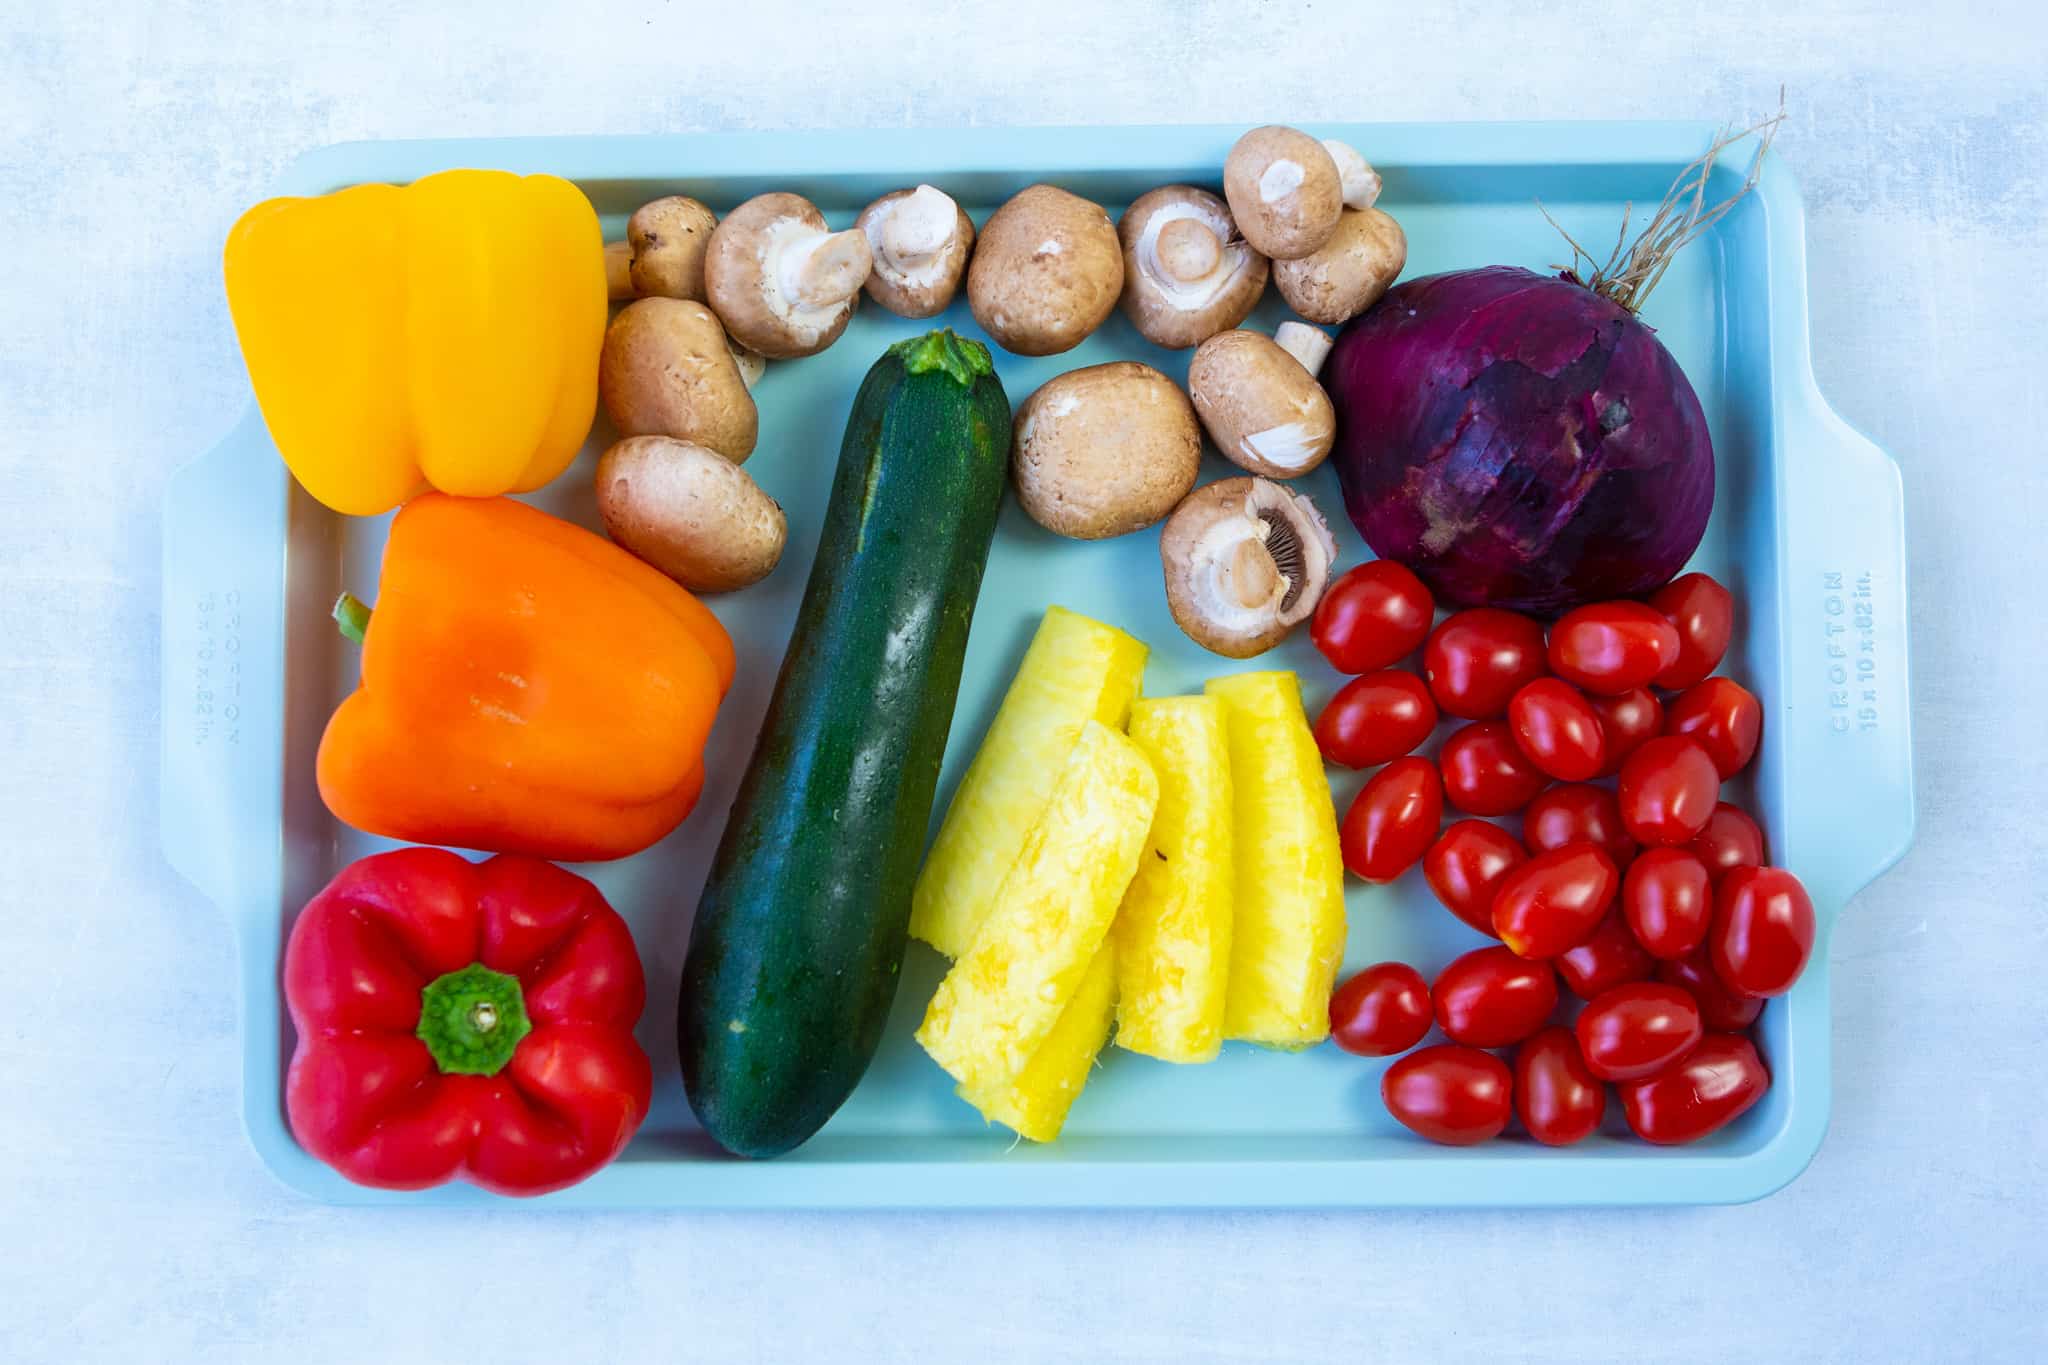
(464, 1021)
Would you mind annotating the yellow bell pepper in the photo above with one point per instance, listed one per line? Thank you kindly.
(444, 333)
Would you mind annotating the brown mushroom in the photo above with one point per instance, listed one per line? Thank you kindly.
(1101, 451)
(1284, 190)
(1263, 410)
(1187, 273)
(1046, 272)
(1350, 273)
(920, 240)
(782, 282)
(1246, 561)
(668, 238)
(689, 512)
(667, 370)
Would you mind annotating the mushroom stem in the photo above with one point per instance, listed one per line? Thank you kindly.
(1309, 345)
(618, 270)
(1188, 250)
(918, 228)
(826, 270)
(1361, 182)
(1253, 576)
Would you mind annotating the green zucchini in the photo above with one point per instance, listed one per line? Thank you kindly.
(799, 937)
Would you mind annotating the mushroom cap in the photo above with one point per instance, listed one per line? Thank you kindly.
(666, 370)
(1246, 561)
(1351, 271)
(1105, 450)
(1187, 273)
(762, 254)
(920, 240)
(1284, 190)
(1046, 272)
(669, 237)
(689, 512)
(1261, 408)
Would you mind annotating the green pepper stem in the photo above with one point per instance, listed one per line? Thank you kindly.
(352, 616)
(472, 1020)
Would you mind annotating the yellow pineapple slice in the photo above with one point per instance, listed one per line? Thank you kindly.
(1173, 932)
(1036, 1103)
(1287, 932)
(1076, 669)
(996, 1007)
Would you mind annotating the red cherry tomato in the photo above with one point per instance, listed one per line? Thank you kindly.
(1704, 1091)
(1479, 658)
(1450, 1094)
(1730, 840)
(1491, 998)
(1375, 718)
(1668, 899)
(1554, 901)
(1612, 647)
(1610, 958)
(1723, 717)
(1394, 820)
(1558, 1099)
(1485, 772)
(1381, 1011)
(1763, 931)
(1577, 813)
(1704, 613)
(1558, 729)
(1467, 864)
(1637, 1030)
(1720, 1008)
(1668, 790)
(1376, 614)
(1625, 722)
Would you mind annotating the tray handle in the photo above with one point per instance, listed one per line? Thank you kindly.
(223, 596)
(1847, 727)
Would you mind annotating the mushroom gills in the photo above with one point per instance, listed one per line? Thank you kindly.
(1256, 569)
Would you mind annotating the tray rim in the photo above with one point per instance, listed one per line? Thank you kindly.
(1432, 1177)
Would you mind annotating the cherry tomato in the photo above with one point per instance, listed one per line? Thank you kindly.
(1554, 901)
(1668, 790)
(1730, 840)
(1381, 1011)
(1637, 1030)
(1485, 772)
(1479, 658)
(1491, 998)
(1720, 1008)
(1467, 865)
(1610, 958)
(1625, 722)
(1723, 717)
(1704, 1091)
(1668, 899)
(1612, 647)
(1376, 614)
(1704, 613)
(1577, 813)
(1450, 1094)
(1763, 931)
(1558, 729)
(1394, 820)
(1559, 1100)
(1375, 718)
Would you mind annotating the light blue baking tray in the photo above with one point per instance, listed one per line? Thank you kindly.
(1807, 530)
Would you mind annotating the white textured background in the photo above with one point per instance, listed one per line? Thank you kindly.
(135, 1223)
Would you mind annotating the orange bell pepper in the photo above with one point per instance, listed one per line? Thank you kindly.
(527, 687)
